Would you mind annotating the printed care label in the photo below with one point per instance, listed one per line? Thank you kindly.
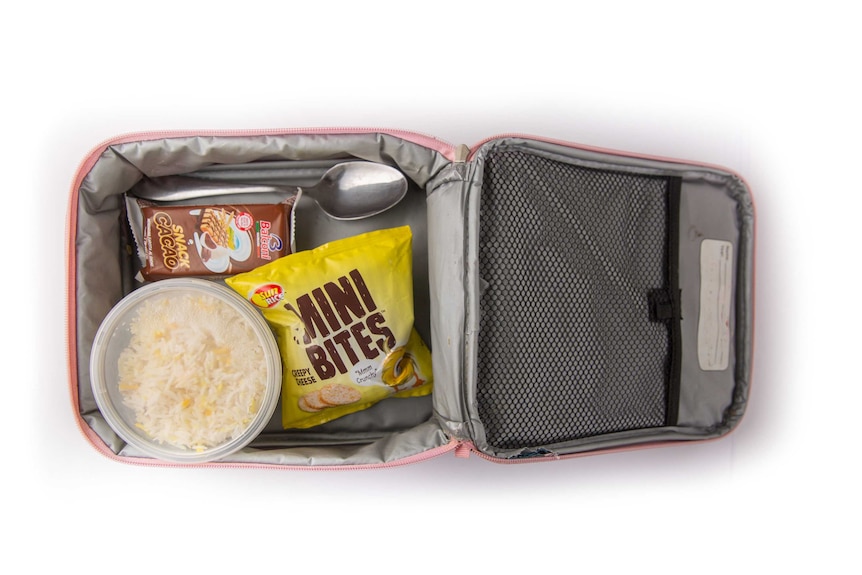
(716, 288)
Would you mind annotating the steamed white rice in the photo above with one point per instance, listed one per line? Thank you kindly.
(194, 372)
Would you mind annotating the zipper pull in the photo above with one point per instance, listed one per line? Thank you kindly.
(462, 152)
(463, 450)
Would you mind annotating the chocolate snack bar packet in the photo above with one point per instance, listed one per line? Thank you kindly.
(212, 240)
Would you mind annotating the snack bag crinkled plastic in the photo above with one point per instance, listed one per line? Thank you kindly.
(343, 316)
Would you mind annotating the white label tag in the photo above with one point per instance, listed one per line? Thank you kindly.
(716, 289)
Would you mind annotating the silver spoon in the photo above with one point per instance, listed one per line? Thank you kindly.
(347, 191)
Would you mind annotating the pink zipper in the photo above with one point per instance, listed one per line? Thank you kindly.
(444, 148)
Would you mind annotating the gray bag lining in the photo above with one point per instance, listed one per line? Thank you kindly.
(391, 430)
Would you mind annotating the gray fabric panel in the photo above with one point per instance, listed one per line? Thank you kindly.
(384, 448)
(183, 155)
(446, 214)
(608, 441)
(473, 293)
(705, 213)
(103, 279)
(99, 265)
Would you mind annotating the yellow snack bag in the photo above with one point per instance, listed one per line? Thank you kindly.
(343, 316)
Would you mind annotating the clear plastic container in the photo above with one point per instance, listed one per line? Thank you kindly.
(151, 392)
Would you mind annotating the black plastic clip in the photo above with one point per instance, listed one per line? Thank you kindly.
(663, 306)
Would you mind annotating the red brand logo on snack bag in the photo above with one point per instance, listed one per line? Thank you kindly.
(264, 236)
(243, 221)
(267, 295)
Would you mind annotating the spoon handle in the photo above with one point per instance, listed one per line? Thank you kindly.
(177, 188)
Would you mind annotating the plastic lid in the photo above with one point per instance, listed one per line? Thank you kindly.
(114, 336)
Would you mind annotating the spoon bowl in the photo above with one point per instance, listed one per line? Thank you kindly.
(356, 190)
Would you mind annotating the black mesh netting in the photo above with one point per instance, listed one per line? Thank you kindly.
(568, 256)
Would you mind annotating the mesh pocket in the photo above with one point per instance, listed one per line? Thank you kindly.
(568, 257)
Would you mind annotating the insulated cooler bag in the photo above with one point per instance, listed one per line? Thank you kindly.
(576, 300)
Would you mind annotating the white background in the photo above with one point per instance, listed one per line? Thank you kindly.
(762, 88)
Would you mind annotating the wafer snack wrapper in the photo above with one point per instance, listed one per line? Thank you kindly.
(209, 240)
(343, 316)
